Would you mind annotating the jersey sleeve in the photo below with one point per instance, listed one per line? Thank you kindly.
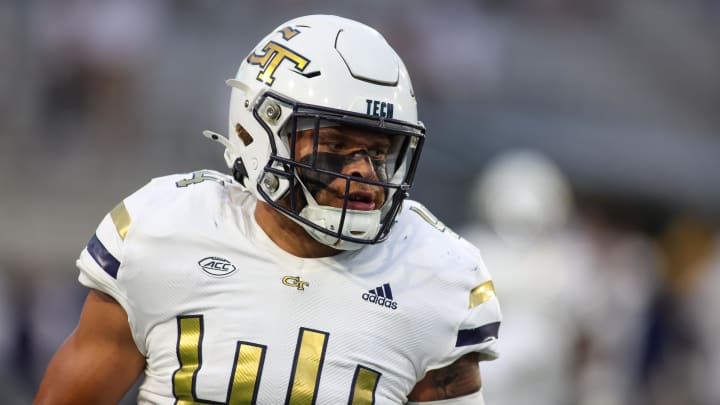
(102, 260)
(119, 258)
(475, 319)
(478, 331)
(470, 312)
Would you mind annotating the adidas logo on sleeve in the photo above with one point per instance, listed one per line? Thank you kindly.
(381, 295)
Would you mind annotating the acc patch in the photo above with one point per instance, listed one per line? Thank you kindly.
(217, 266)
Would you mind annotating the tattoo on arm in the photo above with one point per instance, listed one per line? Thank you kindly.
(458, 379)
(444, 381)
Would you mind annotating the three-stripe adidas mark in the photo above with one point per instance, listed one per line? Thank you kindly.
(381, 295)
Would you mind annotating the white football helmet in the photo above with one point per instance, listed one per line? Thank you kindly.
(313, 72)
(523, 195)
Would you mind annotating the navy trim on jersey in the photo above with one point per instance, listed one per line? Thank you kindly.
(102, 257)
(467, 337)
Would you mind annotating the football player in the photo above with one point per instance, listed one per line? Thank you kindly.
(306, 277)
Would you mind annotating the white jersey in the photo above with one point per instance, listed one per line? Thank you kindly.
(223, 315)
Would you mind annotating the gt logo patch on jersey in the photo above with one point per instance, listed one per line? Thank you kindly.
(273, 54)
(217, 266)
(294, 281)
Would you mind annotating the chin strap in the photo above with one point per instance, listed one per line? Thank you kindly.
(476, 398)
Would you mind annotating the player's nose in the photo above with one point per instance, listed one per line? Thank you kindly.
(360, 165)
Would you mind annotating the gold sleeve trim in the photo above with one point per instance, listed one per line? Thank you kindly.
(121, 219)
(482, 293)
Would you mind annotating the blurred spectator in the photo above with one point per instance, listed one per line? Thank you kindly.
(574, 296)
(614, 305)
(464, 42)
(15, 381)
(682, 362)
(522, 204)
(703, 308)
(91, 53)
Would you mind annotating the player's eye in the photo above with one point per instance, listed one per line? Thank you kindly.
(377, 154)
(333, 146)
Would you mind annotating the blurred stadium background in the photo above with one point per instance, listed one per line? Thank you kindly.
(605, 249)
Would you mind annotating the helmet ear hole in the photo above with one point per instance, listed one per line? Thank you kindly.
(244, 135)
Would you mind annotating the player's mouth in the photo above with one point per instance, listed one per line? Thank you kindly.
(360, 201)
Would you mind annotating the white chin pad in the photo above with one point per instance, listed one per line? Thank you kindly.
(358, 224)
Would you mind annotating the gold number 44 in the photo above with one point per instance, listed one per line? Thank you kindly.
(248, 365)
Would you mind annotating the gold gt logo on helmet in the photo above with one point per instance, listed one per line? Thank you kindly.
(271, 56)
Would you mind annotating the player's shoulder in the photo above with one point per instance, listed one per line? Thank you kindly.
(417, 223)
(188, 185)
(187, 202)
(166, 194)
(167, 210)
(461, 289)
(430, 245)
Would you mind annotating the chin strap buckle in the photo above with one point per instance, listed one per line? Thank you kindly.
(239, 172)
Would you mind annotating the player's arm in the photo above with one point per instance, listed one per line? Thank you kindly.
(98, 363)
(460, 379)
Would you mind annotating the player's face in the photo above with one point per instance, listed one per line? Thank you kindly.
(349, 151)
